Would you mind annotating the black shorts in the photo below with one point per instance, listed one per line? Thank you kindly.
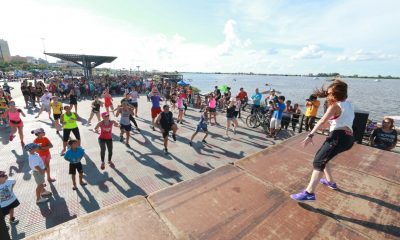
(67, 132)
(126, 127)
(56, 116)
(212, 110)
(6, 210)
(134, 104)
(338, 141)
(166, 133)
(75, 167)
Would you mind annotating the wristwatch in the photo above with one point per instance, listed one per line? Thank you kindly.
(310, 135)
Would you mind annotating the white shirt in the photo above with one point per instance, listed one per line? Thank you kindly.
(7, 196)
(134, 96)
(345, 119)
(46, 98)
(35, 160)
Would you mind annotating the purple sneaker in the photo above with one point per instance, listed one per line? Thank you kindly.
(303, 196)
(330, 185)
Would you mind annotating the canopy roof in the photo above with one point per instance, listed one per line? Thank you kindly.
(83, 60)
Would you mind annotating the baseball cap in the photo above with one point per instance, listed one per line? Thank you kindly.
(31, 146)
(104, 114)
(38, 130)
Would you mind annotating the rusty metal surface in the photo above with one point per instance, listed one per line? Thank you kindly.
(130, 219)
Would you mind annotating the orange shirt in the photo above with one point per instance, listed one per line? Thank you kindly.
(242, 95)
(44, 142)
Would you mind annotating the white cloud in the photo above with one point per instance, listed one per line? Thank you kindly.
(362, 55)
(231, 41)
(311, 51)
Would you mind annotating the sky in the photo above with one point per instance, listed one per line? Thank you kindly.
(260, 36)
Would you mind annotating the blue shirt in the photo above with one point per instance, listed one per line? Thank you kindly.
(257, 99)
(155, 100)
(74, 156)
(278, 112)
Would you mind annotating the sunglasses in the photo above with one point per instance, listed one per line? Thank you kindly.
(106, 115)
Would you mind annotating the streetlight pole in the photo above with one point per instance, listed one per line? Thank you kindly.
(44, 49)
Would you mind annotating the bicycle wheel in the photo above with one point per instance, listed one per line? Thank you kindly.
(266, 125)
(252, 121)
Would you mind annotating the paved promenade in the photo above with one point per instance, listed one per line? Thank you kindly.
(140, 170)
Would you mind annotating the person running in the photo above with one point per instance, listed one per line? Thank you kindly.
(165, 122)
(201, 126)
(15, 122)
(105, 138)
(74, 156)
(108, 101)
(133, 99)
(38, 170)
(96, 104)
(73, 101)
(45, 99)
(68, 120)
(340, 116)
(230, 118)
(125, 124)
(8, 200)
(44, 150)
(57, 107)
(155, 108)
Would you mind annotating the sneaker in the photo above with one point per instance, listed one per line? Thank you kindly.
(127, 144)
(46, 193)
(330, 185)
(204, 141)
(190, 143)
(166, 150)
(153, 128)
(42, 200)
(14, 221)
(138, 129)
(303, 196)
(57, 132)
(121, 139)
(174, 137)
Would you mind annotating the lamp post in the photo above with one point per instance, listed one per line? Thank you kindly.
(44, 49)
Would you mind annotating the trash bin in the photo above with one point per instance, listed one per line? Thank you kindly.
(359, 125)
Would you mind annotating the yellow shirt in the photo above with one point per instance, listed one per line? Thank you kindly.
(3, 103)
(312, 108)
(56, 107)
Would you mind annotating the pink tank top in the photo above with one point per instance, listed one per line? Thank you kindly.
(106, 131)
(180, 102)
(212, 103)
(14, 116)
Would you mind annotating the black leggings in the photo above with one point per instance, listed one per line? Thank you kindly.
(133, 120)
(103, 143)
(338, 141)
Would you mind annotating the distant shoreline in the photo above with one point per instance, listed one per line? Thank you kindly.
(295, 75)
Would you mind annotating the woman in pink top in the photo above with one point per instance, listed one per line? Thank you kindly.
(105, 138)
(212, 108)
(15, 121)
(180, 107)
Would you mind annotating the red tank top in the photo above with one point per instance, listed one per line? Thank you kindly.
(106, 131)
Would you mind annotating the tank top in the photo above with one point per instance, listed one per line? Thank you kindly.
(70, 121)
(106, 131)
(14, 116)
(166, 120)
(345, 119)
(107, 100)
(96, 107)
(124, 117)
(212, 103)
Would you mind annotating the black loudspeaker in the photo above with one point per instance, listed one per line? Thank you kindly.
(359, 125)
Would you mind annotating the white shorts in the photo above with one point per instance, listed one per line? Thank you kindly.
(46, 107)
(275, 123)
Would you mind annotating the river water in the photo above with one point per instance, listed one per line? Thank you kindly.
(378, 98)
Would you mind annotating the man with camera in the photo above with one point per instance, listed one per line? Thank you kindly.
(312, 105)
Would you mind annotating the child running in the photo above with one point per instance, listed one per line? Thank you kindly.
(105, 138)
(15, 121)
(74, 156)
(44, 150)
(201, 126)
(38, 170)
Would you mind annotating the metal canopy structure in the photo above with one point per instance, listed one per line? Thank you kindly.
(88, 62)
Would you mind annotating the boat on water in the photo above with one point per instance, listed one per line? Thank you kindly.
(377, 80)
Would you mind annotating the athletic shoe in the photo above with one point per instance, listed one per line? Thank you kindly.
(42, 200)
(330, 185)
(127, 144)
(303, 196)
(153, 128)
(166, 150)
(190, 143)
(204, 141)
(57, 132)
(46, 193)
(14, 221)
(174, 137)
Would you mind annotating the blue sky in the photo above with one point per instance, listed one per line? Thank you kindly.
(295, 37)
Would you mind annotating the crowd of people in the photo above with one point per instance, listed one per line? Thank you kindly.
(60, 99)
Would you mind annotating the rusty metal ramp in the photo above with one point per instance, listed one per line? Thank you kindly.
(250, 200)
